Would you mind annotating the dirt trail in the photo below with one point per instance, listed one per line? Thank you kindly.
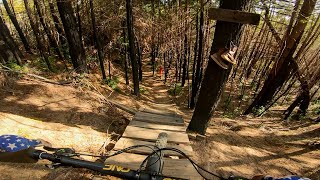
(153, 90)
(244, 146)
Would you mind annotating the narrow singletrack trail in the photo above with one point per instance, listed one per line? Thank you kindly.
(157, 96)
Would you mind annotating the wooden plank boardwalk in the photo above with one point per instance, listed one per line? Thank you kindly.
(144, 130)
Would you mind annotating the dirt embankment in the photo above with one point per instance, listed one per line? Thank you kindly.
(63, 115)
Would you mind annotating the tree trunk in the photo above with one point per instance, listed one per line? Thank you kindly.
(35, 27)
(52, 41)
(5, 54)
(193, 90)
(8, 39)
(139, 53)
(184, 65)
(303, 100)
(134, 63)
(80, 24)
(17, 26)
(284, 67)
(197, 80)
(153, 49)
(57, 24)
(96, 41)
(164, 67)
(76, 50)
(125, 53)
(215, 77)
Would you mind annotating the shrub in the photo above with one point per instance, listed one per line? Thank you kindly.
(258, 111)
(113, 83)
(142, 90)
(14, 66)
(175, 90)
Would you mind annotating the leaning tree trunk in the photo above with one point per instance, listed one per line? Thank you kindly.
(134, 63)
(285, 65)
(35, 27)
(97, 41)
(69, 22)
(57, 24)
(197, 77)
(8, 39)
(52, 41)
(215, 77)
(5, 53)
(17, 26)
(304, 96)
(302, 100)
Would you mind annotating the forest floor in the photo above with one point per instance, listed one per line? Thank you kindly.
(70, 116)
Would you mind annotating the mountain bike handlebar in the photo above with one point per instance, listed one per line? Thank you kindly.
(105, 169)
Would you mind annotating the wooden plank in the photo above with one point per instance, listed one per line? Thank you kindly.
(126, 142)
(160, 119)
(153, 115)
(159, 112)
(151, 135)
(123, 107)
(179, 168)
(234, 16)
(149, 125)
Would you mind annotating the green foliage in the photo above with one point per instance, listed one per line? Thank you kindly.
(14, 66)
(232, 113)
(142, 90)
(299, 117)
(41, 64)
(113, 83)
(258, 111)
(175, 90)
(316, 101)
(316, 110)
(91, 59)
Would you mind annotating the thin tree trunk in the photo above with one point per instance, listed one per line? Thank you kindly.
(79, 23)
(76, 49)
(8, 39)
(198, 72)
(34, 25)
(184, 66)
(52, 40)
(125, 53)
(139, 53)
(153, 55)
(96, 41)
(194, 90)
(5, 52)
(57, 25)
(134, 63)
(17, 26)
